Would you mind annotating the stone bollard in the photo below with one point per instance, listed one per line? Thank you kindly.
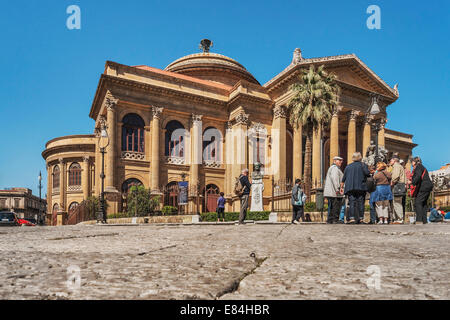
(196, 219)
(273, 217)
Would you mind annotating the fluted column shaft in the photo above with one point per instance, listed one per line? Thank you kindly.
(334, 136)
(85, 178)
(49, 188)
(297, 161)
(317, 134)
(381, 137)
(279, 142)
(155, 156)
(367, 133)
(351, 138)
(110, 150)
(62, 185)
(197, 158)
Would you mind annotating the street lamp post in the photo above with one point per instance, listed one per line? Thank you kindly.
(375, 110)
(103, 143)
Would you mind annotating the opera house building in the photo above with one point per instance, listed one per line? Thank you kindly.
(202, 120)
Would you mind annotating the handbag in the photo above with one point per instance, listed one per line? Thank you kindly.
(399, 189)
(415, 189)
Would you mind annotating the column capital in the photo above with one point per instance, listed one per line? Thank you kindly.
(86, 159)
(368, 118)
(61, 161)
(242, 118)
(196, 118)
(335, 111)
(279, 112)
(229, 125)
(157, 111)
(352, 115)
(110, 101)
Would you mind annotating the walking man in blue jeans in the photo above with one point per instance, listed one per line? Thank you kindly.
(246, 193)
(355, 175)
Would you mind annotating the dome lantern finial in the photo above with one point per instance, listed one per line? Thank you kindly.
(205, 44)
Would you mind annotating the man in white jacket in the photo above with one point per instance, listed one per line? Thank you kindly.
(332, 190)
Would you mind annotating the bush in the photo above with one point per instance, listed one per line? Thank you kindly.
(140, 203)
(169, 210)
(234, 216)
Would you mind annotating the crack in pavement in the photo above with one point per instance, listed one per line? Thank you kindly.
(89, 236)
(159, 249)
(233, 286)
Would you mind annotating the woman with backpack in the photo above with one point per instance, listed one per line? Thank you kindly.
(383, 194)
(298, 201)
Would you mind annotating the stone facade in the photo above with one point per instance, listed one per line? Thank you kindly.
(23, 203)
(206, 117)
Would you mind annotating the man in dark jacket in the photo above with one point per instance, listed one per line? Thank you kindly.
(355, 175)
(246, 193)
(422, 182)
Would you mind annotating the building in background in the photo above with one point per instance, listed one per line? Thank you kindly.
(23, 203)
(205, 118)
(441, 182)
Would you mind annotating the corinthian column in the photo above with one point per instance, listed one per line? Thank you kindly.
(381, 138)
(240, 148)
(62, 185)
(155, 156)
(351, 138)
(279, 142)
(366, 133)
(229, 158)
(297, 159)
(334, 135)
(111, 104)
(196, 148)
(85, 178)
(49, 188)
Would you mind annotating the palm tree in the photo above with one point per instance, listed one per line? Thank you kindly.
(316, 94)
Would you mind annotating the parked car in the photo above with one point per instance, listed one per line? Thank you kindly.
(23, 222)
(8, 219)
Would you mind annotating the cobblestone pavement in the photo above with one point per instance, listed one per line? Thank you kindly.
(254, 261)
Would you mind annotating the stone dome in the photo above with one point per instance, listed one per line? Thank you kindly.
(213, 67)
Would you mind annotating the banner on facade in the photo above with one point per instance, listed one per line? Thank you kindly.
(183, 193)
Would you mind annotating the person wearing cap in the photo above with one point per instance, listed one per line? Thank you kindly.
(398, 184)
(332, 190)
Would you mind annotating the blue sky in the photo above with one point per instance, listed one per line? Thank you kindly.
(49, 74)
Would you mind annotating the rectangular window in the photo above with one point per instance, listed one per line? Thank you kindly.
(2, 203)
(16, 203)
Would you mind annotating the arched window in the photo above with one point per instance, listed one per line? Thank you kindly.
(56, 177)
(212, 145)
(133, 133)
(73, 206)
(75, 174)
(130, 183)
(175, 139)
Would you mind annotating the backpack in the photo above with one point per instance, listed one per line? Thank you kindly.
(371, 185)
(238, 187)
(299, 202)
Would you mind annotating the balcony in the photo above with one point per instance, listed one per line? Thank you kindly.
(175, 160)
(131, 155)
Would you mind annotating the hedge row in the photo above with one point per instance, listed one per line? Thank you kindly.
(234, 216)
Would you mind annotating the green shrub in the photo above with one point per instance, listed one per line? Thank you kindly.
(234, 216)
(169, 210)
(140, 202)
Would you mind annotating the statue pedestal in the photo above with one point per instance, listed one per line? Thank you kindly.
(257, 195)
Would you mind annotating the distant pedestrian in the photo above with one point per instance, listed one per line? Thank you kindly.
(244, 193)
(298, 202)
(354, 179)
(373, 213)
(221, 207)
(332, 190)
(421, 189)
(383, 193)
(398, 184)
